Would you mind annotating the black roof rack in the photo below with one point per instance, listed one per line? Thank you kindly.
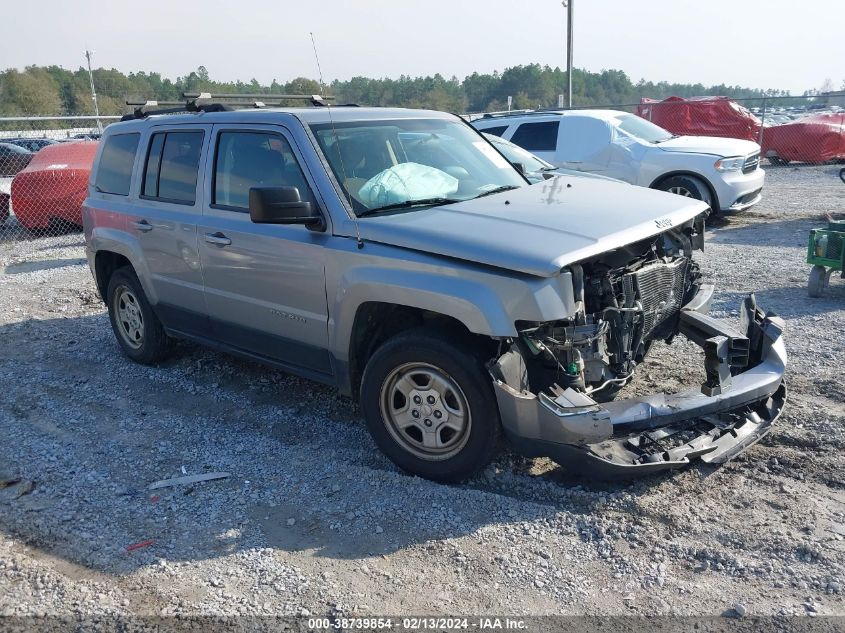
(504, 115)
(207, 102)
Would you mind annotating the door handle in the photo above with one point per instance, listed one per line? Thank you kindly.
(143, 226)
(217, 238)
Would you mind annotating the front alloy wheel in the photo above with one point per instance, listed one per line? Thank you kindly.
(425, 411)
(429, 404)
(688, 187)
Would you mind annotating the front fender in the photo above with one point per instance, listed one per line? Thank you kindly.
(486, 303)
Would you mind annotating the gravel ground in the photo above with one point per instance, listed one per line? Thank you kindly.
(313, 520)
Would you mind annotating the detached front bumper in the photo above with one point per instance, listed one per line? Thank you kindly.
(742, 396)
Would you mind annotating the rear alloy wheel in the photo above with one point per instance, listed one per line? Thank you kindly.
(430, 407)
(688, 187)
(138, 331)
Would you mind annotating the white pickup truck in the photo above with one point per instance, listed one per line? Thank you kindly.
(723, 172)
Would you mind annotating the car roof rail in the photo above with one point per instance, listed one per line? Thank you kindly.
(207, 102)
(504, 113)
(513, 113)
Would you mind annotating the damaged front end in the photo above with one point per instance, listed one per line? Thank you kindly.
(551, 381)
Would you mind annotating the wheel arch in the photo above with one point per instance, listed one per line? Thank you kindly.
(376, 322)
(112, 248)
(105, 263)
(681, 172)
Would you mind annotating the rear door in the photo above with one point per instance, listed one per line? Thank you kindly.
(265, 284)
(165, 221)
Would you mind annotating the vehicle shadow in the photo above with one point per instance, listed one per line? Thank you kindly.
(789, 302)
(764, 232)
(44, 264)
(88, 431)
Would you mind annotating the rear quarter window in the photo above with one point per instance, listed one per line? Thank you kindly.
(114, 172)
(540, 136)
(495, 131)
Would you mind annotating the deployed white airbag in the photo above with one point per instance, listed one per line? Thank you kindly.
(407, 181)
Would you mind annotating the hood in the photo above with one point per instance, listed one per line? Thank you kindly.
(715, 145)
(536, 229)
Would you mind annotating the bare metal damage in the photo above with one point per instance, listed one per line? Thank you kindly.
(742, 396)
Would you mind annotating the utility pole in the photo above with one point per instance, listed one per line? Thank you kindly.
(569, 12)
(93, 92)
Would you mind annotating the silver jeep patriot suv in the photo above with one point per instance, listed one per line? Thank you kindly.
(398, 256)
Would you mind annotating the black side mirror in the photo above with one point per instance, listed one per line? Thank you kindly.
(519, 167)
(282, 205)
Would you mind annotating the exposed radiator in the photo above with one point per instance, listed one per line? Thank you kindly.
(660, 288)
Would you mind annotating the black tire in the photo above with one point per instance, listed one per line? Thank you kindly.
(419, 350)
(690, 187)
(819, 279)
(153, 344)
(4, 207)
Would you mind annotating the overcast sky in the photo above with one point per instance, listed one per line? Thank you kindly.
(793, 45)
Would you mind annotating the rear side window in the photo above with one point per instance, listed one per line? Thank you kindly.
(172, 166)
(114, 172)
(495, 131)
(537, 137)
(254, 159)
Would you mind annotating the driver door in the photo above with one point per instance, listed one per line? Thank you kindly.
(265, 284)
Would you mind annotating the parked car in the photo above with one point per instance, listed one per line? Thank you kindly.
(54, 184)
(725, 173)
(534, 168)
(13, 158)
(31, 144)
(86, 136)
(397, 256)
(4, 206)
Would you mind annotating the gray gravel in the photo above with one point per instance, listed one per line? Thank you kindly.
(313, 520)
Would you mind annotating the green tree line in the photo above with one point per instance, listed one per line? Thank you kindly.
(52, 90)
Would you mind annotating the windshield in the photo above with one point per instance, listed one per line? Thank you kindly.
(642, 129)
(402, 162)
(515, 154)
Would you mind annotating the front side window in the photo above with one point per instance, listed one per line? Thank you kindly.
(516, 154)
(254, 159)
(540, 136)
(584, 139)
(114, 172)
(411, 163)
(172, 166)
(642, 129)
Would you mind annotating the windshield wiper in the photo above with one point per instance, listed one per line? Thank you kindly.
(497, 190)
(407, 204)
(661, 140)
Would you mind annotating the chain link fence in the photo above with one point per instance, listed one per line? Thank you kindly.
(808, 130)
(44, 167)
(45, 161)
(798, 130)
